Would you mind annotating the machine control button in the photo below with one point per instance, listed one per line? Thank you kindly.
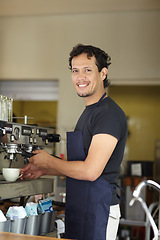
(12, 138)
(46, 141)
(30, 140)
(34, 140)
(37, 131)
(32, 130)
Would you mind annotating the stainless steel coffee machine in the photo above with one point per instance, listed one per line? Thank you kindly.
(23, 139)
(17, 141)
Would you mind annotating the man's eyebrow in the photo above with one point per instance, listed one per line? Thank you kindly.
(82, 67)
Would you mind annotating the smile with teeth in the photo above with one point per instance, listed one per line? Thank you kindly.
(82, 85)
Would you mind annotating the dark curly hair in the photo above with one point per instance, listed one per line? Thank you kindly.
(102, 58)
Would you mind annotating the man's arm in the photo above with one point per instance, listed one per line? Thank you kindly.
(31, 171)
(101, 148)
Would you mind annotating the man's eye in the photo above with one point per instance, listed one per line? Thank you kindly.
(88, 70)
(74, 71)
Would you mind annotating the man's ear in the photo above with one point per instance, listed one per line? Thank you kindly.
(104, 73)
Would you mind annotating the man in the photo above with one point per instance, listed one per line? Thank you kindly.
(94, 152)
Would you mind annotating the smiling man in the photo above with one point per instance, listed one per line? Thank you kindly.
(94, 152)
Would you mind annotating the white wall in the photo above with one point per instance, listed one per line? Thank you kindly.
(38, 47)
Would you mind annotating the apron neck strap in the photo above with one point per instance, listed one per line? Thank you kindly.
(101, 99)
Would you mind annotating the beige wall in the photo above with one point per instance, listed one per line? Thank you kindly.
(37, 47)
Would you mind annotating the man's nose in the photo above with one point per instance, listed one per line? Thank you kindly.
(81, 75)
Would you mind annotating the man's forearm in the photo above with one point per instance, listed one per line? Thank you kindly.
(53, 172)
(73, 169)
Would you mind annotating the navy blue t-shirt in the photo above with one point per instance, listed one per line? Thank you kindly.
(108, 118)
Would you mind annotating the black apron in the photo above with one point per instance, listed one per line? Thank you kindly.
(87, 203)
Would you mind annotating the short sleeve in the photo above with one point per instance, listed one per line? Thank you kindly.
(108, 122)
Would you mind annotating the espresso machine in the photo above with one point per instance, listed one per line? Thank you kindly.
(23, 139)
(17, 141)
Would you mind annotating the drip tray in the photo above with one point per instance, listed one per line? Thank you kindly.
(22, 188)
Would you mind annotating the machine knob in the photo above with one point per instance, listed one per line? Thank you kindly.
(53, 137)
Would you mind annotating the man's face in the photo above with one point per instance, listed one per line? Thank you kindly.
(87, 81)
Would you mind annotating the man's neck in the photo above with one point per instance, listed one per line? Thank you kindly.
(93, 99)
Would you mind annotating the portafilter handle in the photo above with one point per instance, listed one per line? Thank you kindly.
(29, 155)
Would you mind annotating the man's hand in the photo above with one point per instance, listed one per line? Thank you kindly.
(31, 171)
(42, 163)
(41, 159)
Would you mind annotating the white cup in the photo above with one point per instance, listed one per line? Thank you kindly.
(11, 174)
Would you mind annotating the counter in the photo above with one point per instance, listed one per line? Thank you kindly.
(24, 188)
(15, 236)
